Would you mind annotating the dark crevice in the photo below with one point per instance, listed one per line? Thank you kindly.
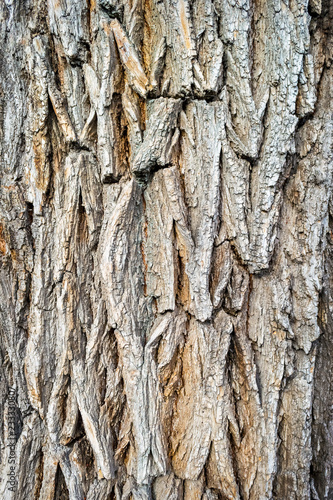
(110, 179)
(111, 9)
(61, 491)
(79, 430)
(39, 474)
(303, 120)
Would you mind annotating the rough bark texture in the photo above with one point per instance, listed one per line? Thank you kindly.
(166, 249)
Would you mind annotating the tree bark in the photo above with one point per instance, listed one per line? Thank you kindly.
(166, 249)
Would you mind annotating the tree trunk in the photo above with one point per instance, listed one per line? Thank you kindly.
(166, 248)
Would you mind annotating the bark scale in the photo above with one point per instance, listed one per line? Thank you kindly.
(166, 249)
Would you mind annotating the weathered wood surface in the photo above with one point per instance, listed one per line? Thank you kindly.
(166, 249)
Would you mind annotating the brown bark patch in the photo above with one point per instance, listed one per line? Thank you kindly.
(3, 245)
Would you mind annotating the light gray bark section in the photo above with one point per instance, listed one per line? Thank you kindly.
(166, 249)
